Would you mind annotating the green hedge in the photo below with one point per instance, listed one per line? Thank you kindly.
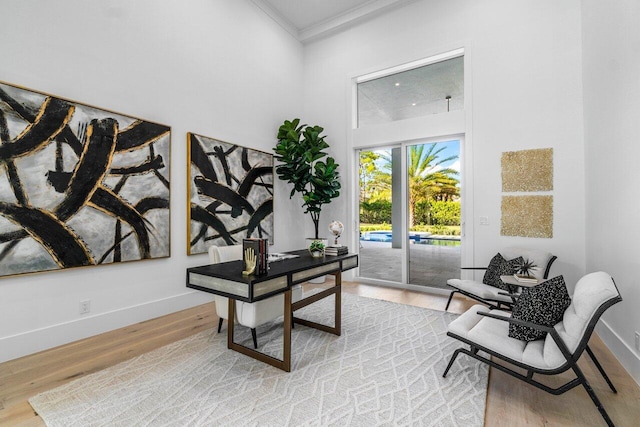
(426, 213)
(375, 212)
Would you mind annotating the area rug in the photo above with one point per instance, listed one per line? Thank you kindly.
(385, 369)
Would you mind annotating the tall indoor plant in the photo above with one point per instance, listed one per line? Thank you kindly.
(300, 150)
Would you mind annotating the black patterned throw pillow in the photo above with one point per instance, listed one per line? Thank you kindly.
(498, 266)
(543, 304)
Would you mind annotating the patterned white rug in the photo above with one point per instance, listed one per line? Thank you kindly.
(385, 369)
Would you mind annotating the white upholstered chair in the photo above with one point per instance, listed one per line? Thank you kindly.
(496, 297)
(254, 314)
(487, 330)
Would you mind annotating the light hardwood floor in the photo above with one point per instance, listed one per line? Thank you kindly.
(509, 402)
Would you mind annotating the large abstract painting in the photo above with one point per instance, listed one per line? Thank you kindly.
(230, 194)
(79, 185)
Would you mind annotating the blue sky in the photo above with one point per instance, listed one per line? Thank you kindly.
(452, 148)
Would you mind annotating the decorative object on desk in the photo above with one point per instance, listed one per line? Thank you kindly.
(317, 248)
(198, 379)
(300, 150)
(249, 259)
(336, 228)
(80, 185)
(259, 248)
(275, 257)
(336, 250)
(230, 192)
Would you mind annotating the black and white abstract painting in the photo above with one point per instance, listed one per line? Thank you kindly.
(79, 186)
(230, 194)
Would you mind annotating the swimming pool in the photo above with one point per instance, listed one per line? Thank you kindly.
(421, 238)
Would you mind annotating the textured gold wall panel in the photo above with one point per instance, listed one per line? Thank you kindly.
(527, 216)
(527, 170)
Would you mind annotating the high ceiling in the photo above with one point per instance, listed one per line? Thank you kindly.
(309, 19)
(409, 94)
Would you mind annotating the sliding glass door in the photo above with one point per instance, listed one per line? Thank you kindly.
(433, 199)
(380, 242)
(409, 213)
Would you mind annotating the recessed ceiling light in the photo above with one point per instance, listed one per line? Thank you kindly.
(397, 84)
(413, 104)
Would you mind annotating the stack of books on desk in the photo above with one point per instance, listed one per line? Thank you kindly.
(524, 278)
(336, 250)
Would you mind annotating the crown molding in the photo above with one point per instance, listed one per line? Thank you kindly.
(277, 17)
(349, 18)
(334, 24)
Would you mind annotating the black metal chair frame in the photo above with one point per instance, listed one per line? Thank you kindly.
(493, 304)
(571, 359)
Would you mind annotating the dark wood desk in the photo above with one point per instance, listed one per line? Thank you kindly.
(226, 279)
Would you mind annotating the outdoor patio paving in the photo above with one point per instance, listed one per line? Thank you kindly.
(430, 265)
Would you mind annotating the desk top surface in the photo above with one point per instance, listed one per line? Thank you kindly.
(233, 270)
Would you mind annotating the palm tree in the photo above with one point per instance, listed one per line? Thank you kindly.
(367, 174)
(427, 178)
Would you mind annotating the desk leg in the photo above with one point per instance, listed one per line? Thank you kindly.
(284, 364)
(338, 309)
(231, 311)
(334, 290)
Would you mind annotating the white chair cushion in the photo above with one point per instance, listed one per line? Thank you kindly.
(590, 293)
(492, 334)
(539, 258)
(254, 314)
(218, 254)
(479, 289)
(467, 320)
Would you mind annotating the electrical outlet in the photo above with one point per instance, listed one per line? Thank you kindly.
(484, 220)
(85, 306)
(637, 340)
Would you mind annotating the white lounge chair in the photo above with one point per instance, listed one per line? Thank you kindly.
(496, 297)
(487, 330)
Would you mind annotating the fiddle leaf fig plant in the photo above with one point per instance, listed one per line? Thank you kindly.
(300, 150)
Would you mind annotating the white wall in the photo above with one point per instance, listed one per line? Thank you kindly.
(611, 70)
(215, 67)
(526, 89)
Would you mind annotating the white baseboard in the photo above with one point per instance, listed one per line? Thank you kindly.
(30, 342)
(623, 352)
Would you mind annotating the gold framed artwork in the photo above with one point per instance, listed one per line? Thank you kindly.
(230, 193)
(80, 185)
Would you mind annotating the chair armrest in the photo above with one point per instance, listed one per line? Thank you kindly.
(548, 268)
(519, 322)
